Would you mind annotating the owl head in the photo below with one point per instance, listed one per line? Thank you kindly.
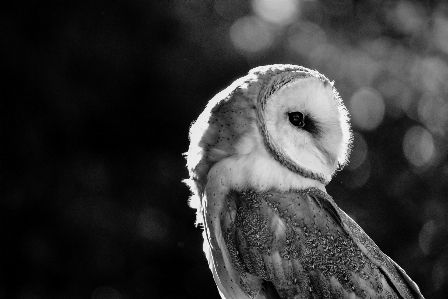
(290, 114)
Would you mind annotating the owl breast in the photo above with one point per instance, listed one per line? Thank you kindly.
(294, 246)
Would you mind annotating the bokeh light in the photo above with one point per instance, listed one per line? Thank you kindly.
(407, 17)
(251, 34)
(279, 12)
(433, 112)
(359, 151)
(418, 146)
(305, 37)
(441, 32)
(426, 236)
(431, 73)
(358, 177)
(367, 109)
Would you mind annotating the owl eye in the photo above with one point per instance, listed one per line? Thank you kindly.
(297, 119)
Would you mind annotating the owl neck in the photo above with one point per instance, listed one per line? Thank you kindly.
(259, 170)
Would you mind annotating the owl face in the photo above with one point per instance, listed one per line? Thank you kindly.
(301, 123)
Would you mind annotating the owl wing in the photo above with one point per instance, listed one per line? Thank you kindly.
(232, 283)
(300, 245)
(401, 281)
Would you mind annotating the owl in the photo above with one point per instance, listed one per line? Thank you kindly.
(260, 156)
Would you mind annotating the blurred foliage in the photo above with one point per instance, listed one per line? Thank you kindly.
(95, 105)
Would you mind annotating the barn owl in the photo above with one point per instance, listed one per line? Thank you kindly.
(260, 156)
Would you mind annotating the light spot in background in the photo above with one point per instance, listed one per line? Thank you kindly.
(418, 146)
(359, 176)
(153, 225)
(328, 59)
(436, 208)
(398, 63)
(359, 151)
(367, 109)
(250, 34)
(360, 67)
(279, 12)
(407, 17)
(426, 236)
(433, 112)
(379, 48)
(440, 33)
(106, 293)
(430, 73)
(305, 37)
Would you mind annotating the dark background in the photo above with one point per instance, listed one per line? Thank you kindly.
(96, 100)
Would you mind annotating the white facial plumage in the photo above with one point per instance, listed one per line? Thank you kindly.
(242, 123)
(270, 142)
